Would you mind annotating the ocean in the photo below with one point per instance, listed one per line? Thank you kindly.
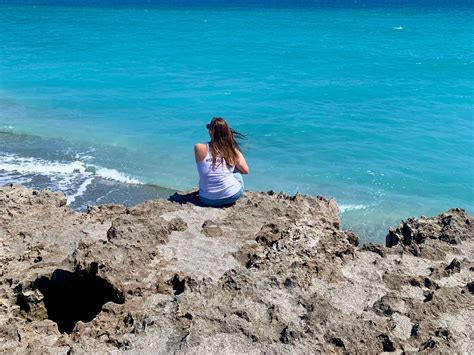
(370, 105)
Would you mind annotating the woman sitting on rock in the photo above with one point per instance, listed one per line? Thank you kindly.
(220, 164)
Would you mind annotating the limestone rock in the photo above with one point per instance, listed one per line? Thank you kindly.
(273, 273)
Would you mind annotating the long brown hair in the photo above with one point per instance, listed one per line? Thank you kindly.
(223, 141)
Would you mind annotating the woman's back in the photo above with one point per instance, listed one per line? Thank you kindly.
(220, 164)
(216, 181)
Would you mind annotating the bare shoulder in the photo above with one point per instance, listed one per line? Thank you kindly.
(239, 153)
(200, 146)
(200, 151)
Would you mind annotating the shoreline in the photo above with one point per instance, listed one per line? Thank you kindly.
(60, 165)
(272, 273)
(358, 126)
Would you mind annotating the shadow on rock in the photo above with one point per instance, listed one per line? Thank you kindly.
(186, 197)
(193, 198)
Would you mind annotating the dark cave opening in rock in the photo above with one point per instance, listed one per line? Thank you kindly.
(178, 285)
(70, 297)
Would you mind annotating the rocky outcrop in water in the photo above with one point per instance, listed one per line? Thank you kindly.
(273, 273)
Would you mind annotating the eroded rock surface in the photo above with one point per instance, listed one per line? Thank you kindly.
(274, 273)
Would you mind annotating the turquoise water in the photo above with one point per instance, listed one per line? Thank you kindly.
(372, 106)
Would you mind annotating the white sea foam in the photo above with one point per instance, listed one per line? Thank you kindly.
(80, 191)
(83, 157)
(349, 207)
(72, 178)
(116, 175)
(14, 163)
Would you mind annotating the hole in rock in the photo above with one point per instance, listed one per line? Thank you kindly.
(178, 285)
(70, 297)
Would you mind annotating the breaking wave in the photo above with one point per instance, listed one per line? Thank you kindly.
(72, 178)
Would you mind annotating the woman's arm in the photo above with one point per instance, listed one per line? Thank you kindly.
(241, 164)
(200, 152)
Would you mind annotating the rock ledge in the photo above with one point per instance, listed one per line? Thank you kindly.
(273, 273)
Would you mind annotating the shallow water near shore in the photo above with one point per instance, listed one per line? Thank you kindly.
(371, 106)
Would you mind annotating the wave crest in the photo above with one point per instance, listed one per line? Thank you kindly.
(349, 207)
(72, 178)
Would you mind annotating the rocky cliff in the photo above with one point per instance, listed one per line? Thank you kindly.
(273, 273)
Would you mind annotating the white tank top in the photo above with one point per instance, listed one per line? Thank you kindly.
(218, 182)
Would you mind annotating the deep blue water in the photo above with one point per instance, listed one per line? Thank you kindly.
(249, 3)
(372, 105)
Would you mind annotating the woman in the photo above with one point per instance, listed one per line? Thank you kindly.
(220, 165)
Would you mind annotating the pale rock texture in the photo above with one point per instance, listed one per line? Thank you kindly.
(273, 273)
